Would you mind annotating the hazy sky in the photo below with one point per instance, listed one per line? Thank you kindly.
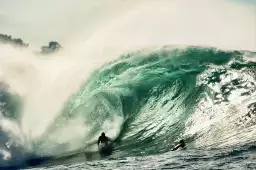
(39, 21)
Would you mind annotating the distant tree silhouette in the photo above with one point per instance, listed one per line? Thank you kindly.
(52, 47)
(7, 39)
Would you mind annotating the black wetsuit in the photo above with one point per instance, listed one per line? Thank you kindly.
(107, 148)
(103, 139)
(180, 145)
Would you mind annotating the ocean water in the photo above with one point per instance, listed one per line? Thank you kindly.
(192, 159)
(146, 101)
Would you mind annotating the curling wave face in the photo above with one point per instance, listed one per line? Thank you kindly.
(151, 98)
(148, 99)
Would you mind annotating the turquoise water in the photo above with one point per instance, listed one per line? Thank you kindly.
(146, 101)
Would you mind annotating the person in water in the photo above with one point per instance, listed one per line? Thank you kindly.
(105, 145)
(181, 145)
(103, 139)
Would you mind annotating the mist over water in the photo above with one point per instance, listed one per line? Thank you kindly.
(47, 89)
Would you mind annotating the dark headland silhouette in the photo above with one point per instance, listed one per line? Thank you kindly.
(52, 47)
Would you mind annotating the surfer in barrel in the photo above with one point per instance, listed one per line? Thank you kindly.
(105, 144)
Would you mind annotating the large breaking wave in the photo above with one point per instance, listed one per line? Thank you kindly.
(146, 100)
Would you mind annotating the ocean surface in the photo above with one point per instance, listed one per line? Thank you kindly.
(146, 100)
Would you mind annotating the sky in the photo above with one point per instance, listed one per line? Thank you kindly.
(38, 22)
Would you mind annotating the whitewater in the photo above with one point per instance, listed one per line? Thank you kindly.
(147, 73)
